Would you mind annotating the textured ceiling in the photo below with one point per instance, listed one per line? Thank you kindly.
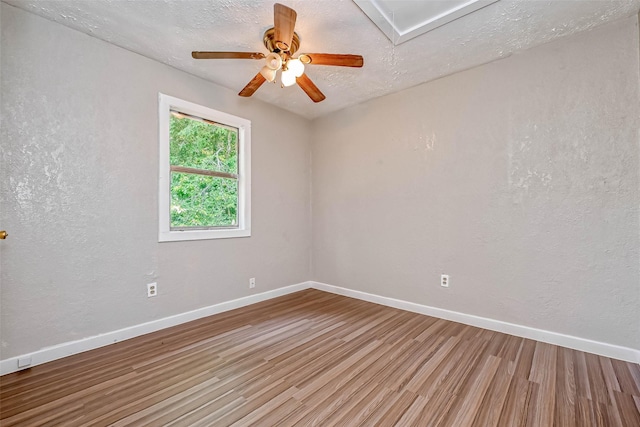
(168, 30)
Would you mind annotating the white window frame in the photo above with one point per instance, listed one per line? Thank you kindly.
(243, 229)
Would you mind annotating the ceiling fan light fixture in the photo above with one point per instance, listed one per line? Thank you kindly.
(268, 73)
(274, 61)
(305, 59)
(296, 66)
(288, 78)
(282, 46)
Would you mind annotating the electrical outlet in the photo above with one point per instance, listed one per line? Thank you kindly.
(152, 289)
(252, 283)
(444, 280)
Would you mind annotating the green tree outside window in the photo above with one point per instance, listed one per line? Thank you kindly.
(204, 173)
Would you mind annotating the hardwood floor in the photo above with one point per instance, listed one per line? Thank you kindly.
(313, 358)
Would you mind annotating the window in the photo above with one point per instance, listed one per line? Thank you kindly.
(205, 180)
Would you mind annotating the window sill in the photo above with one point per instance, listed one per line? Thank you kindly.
(184, 235)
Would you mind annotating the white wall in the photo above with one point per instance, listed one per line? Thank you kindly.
(78, 191)
(518, 178)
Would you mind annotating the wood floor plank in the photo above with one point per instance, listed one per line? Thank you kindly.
(325, 362)
(338, 404)
(583, 387)
(447, 377)
(543, 373)
(626, 380)
(125, 404)
(207, 417)
(260, 409)
(420, 380)
(517, 403)
(336, 393)
(387, 362)
(213, 408)
(635, 373)
(391, 414)
(417, 360)
(161, 412)
(365, 407)
(412, 414)
(473, 396)
(627, 408)
(596, 379)
(524, 358)
(433, 328)
(509, 351)
(494, 399)
(446, 383)
(381, 402)
(565, 412)
(275, 415)
(314, 358)
(342, 371)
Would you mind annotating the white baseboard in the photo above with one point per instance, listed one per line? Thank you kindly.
(576, 343)
(59, 351)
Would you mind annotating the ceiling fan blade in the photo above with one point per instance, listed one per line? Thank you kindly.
(284, 21)
(227, 55)
(253, 85)
(310, 88)
(332, 59)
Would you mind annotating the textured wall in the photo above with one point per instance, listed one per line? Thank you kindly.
(518, 178)
(78, 187)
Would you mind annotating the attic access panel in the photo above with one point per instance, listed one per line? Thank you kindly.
(402, 20)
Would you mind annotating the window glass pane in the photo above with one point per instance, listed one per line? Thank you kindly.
(199, 201)
(202, 145)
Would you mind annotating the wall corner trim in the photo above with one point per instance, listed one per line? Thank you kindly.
(575, 343)
(59, 351)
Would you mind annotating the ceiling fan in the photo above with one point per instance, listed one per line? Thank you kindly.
(282, 43)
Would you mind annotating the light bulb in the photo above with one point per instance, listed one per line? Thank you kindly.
(288, 78)
(296, 66)
(274, 61)
(268, 73)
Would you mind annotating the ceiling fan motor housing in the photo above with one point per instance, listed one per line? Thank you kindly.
(272, 45)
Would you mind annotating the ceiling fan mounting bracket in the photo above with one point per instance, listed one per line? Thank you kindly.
(272, 45)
